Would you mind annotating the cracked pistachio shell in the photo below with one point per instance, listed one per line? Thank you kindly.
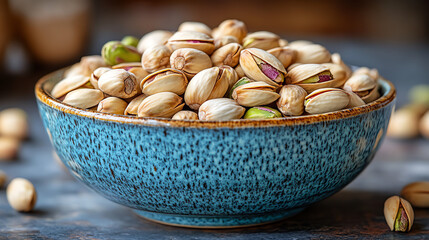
(313, 53)
(262, 66)
(417, 193)
(262, 112)
(224, 40)
(84, 98)
(424, 125)
(115, 52)
(90, 63)
(231, 74)
(133, 106)
(373, 73)
(207, 84)
(227, 55)
(3, 179)
(355, 100)
(96, 75)
(112, 105)
(195, 27)
(190, 61)
(391, 208)
(283, 42)
(14, 123)
(156, 58)
(299, 43)
(220, 109)
(231, 27)
(291, 101)
(118, 83)
(164, 104)
(165, 80)
(364, 86)
(195, 40)
(326, 100)
(155, 38)
(303, 72)
(255, 94)
(9, 147)
(241, 81)
(263, 40)
(285, 55)
(185, 115)
(68, 84)
(372, 96)
(336, 59)
(338, 72)
(21, 195)
(239, 70)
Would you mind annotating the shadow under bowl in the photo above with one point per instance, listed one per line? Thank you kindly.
(214, 174)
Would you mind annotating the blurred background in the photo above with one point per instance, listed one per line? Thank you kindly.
(39, 36)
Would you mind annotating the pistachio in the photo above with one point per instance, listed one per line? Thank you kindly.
(83, 98)
(424, 125)
(227, 55)
(313, 53)
(130, 41)
(285, 55)
(68, 84)
(185, 115)
(156, 58)
(355, 100)
(404, 122)
(207, 84)
(291, 101)
(336, 59)
(299, 43)
(195, 27)
(155, 38)
(90, 63)
(13, 123)
(283, 43)
(339, 74)
(9, 148)
(134, 68)
(372, 73)
(262, 66)
(326, 100)
(262, 113)
(118, 83)
(417, 193)
(292, 66)
(75, 69)
(224, 40)
(96, 75)
(166, 80)
(133, 106)
(112, 105)
(419, 94)
(195, 40)
(231, 27)
(21, 195)
(239, 70)
(263, 40)
(399, 214)
(364, 86)
(220, 109)
(164, 104)
(310, 77)
(114, 52)
(231, 75)
(255, 94)
(3, 179)
(241, 81)
(190, 61)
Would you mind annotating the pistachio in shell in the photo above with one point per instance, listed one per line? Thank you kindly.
(119, 83)
(164, 105)
(417, 193)
(364, 86)
(336, 59)
(185, 115)
(262, 66)
(133, 106)
(156, 58)
(224, 40)
(220, 109)
(190, 61)
(84, 98)
(14, 123)
(263, 40)
(227, 55)
(299, 43)
(96, 75)
(372, 73)
(285, 55)
(326, 100)
(255, 94)
(241, 81)
(195, 40)
(339, 74)
(310, 77)
(313, 53)
(134, 68)
(231, 27)
(112, 105)
(9, 148)
(291, 101)
(154, 38)
(68, 84)
(399, 214)
(90, 63)
(239, 70)
(165, 80)
(283, 42)
(115, 52)
(195, 27)
(404, 122)
(262, 112)
(355, 100)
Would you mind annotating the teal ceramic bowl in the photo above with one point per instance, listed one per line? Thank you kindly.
(215, 174)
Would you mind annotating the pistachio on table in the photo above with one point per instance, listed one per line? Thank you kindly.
(156, 58)
(21, 195)
(112, 105)
(326, 100)
(220, 109)
(417, 193)
(155, 38)
(190, 61)
(195, 27)
(404, 122)
(255, 94)
(399, 214)
(195, 40)
(164, 104)
(185, 115)
(291, 101)
(165, 80)
(9, 148)
(263, 40)
(13, 123)
(115, 52)
(227, 55)
(262, 113)
(118, 83)
(3, 179)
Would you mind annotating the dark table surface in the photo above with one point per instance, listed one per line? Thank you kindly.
(67, 209)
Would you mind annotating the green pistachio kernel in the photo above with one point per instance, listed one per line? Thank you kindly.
(401, 221)
(241, 81)
(262, 113)
(115, 52)
(321, 77)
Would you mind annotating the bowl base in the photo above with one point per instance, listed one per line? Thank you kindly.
(195, 221)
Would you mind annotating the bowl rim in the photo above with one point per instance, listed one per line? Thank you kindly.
(45, 98)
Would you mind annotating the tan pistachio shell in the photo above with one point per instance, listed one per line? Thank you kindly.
(230, 73)
(132, 108)
(224, 40)
(84, 98)
(231, 27)
(164, 104)
(338, 72)
(227, 55)
(417, 193)
(326, 100)
(291, 101)
(299, 43)
(239, 70)
(185, 115)
(336, 59)
(165, 80)
(292, 66)
(158, 37)
(134, 68)
(156, 58)
(186, 40)
(285, 55)
(119, 83)
(251, 69)
(255, 94)
(372, 96)
(360, 82)
(373, 73)
(75, 69)
(69, 84)
(207, 84)
(90, 63)
(263, 40)
(13, 123)
(112, 105)
(220, 109)
(9, 148)
(391, 208)
(190, 61)
(283, 42)
(313, 53)
(304, 71)
(195, 27)
(21, 195)
(355, 100)
(96, 75)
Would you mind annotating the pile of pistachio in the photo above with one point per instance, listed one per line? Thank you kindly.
(215, 74)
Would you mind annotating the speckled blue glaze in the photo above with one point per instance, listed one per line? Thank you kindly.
(215, 177)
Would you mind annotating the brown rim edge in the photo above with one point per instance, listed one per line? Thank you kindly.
(160, 122)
